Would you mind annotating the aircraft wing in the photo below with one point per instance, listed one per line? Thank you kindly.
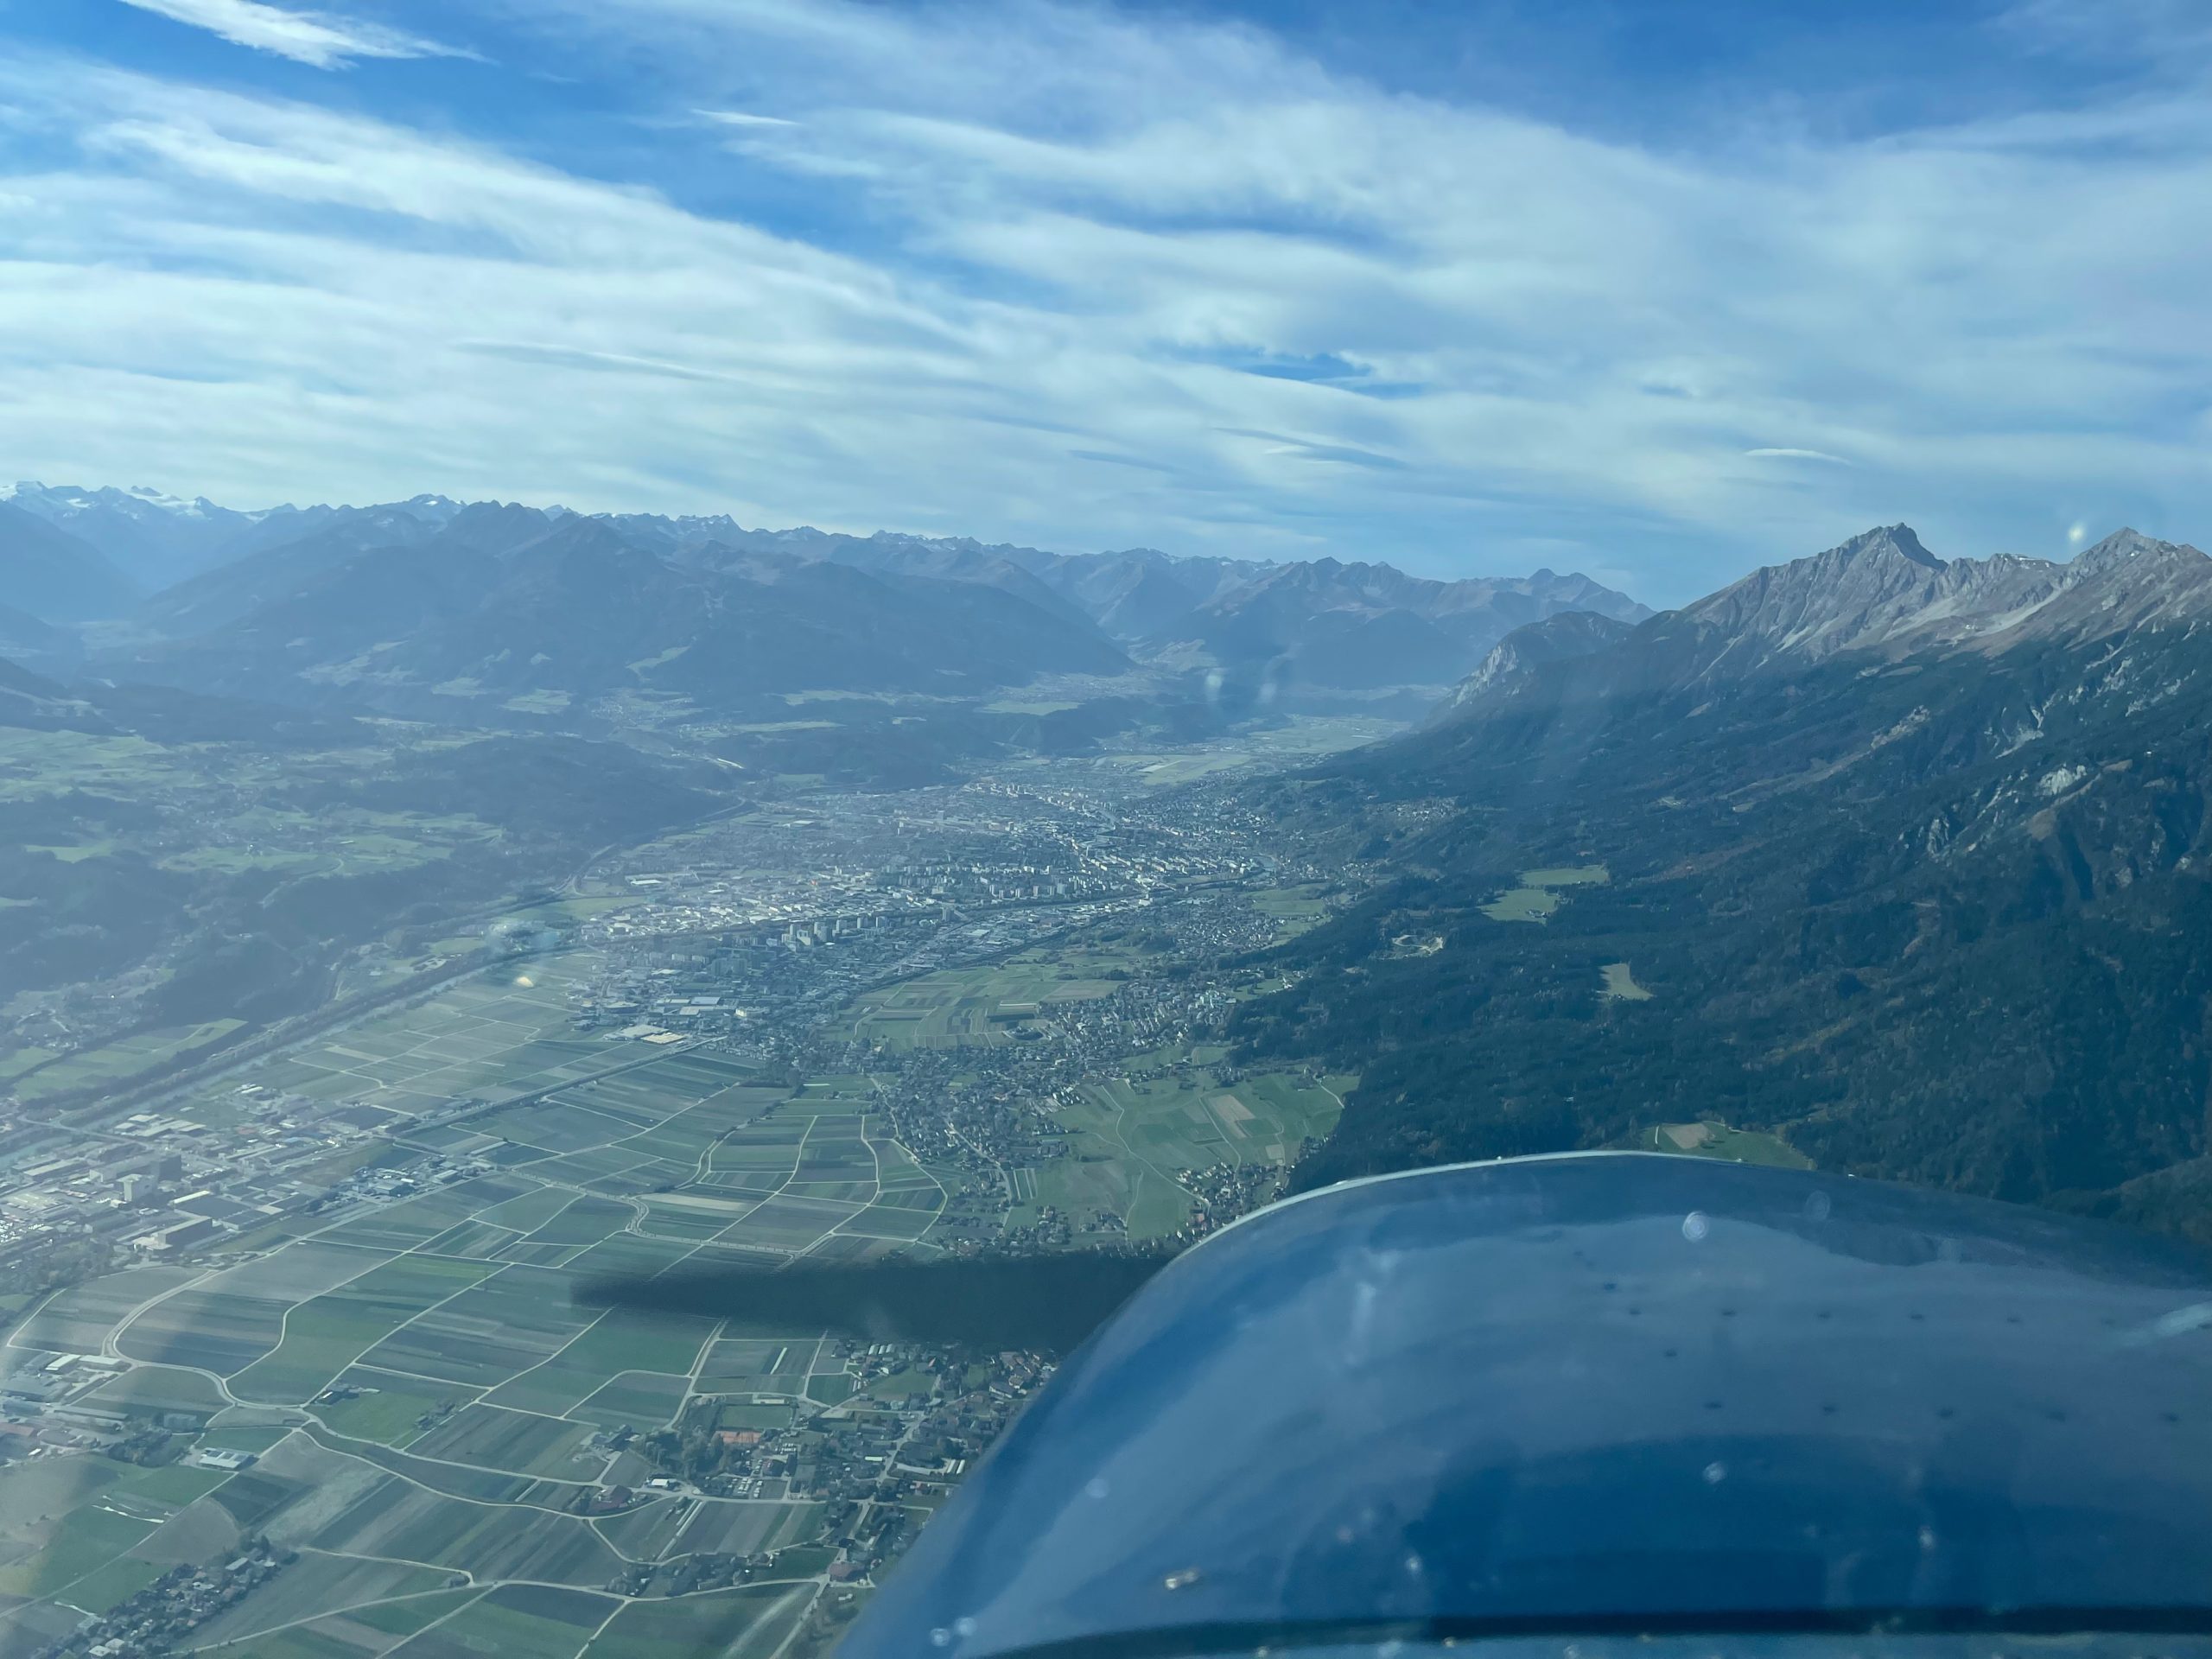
(1604, 1395)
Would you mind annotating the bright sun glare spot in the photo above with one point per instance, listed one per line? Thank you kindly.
(2078, 534)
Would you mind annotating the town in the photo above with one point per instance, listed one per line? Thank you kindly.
(985, 1017)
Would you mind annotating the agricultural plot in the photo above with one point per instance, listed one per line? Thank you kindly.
(1295, 909)
(517, 1621)
(628, 1256)
(743, 1529)
(889, 1220)
(493, 1037)
(1538, 896)
(982, 1005)
(312, 1585)
(750, 1622)
(478, 1240)
(527, 1213)
(472, 1384)
(63, 1521)
(654, 1175)
(850, 1249)
(390, 1408)
(83, 1540)
(577, 1168)
(121, 1060)
(296, 1272)
(209, 1329)
(323, 1336)
(691, 1221)
(643, 1533)
(554, 1125)
(790, 1224)
(296, 1488)
(596, 1356)
(483, 1335)
(360, 1633)
(1133, 1139)
(743, 1364)
(78, 1320)
(1713, 1139)
(158, 1390)
(491, 1437)
(585, 1221)
(634, 1399)
(477, 1485)
(398, 1521)
(405, 1226)
(629, 1341)
(760, 1150)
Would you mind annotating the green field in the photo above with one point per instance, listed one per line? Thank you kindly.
(494, 1036)
(747, 1623)
(1295, 909)
(983, 1004)
(390, 1414)
(323, 1336)
(1713, 1139)
(1621, 986)
(1538, 896)
(154, 1389)
(123, 1058)
(478, 1389)
(1299, 735)
(1132, 1140)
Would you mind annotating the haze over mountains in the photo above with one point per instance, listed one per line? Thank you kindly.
(1910, 853)
(384, 605)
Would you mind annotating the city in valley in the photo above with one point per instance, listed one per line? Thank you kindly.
(1097, 829)
(294, 1366)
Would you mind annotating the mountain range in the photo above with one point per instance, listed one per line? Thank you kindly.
(1879, 594)
(1900, 860)
(284, 603)
(1905, 859)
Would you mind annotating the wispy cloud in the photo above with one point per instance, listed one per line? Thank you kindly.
(1088, 278)
(318, 38)
(743, 119)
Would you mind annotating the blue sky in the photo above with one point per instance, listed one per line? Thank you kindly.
(1657, 290)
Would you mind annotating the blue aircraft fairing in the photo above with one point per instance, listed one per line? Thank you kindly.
(1617, 1395)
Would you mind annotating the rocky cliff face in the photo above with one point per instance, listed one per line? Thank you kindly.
(1881, 594)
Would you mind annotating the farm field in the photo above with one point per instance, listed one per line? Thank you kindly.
(1539, 893)
(492, 1037)
(437, 1395)
(119, 1060)
(1620, 984)
(983, 1004)
(1298, 736)
(432, 1407)
(1712, 1139)
(1131, 1139)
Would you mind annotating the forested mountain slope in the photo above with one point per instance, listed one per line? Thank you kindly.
(1910, 856)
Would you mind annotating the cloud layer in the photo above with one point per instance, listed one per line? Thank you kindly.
(1085, 279)
(314, 38)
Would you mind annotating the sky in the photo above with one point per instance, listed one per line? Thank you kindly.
(1650, 289)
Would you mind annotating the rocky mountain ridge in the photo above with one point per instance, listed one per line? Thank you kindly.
(1881, 594)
